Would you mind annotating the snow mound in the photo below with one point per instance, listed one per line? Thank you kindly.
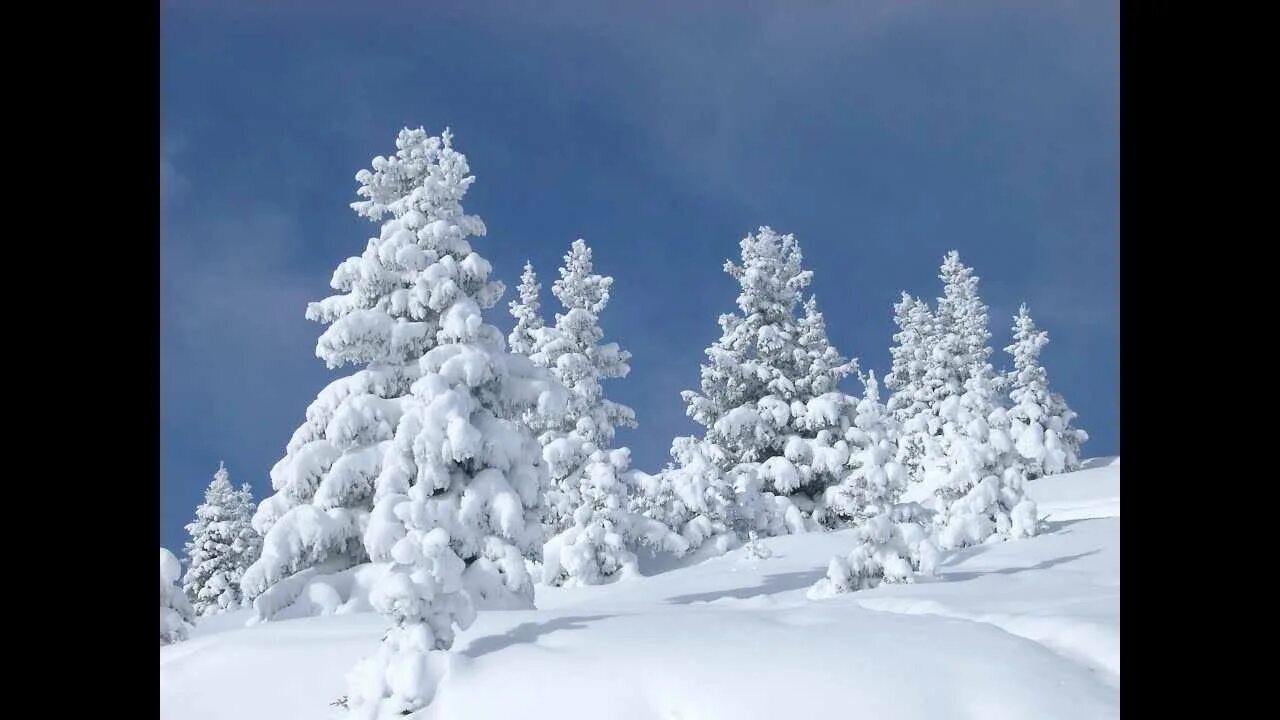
(1022, 629)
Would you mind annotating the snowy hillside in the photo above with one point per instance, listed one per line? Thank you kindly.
(1022, 629)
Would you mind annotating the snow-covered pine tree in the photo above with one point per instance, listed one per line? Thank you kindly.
(757, 357)
(1040, 420)
(223, 544)
(769, 379)
(693, 496)
(593, 532)
(892, 546)
(914, 392)
(459, 501)
(962, 317)
(175, 612)
(527, 311)
(893, 539)
(874, 479)
(572, 350)
(823, 366)
(598, 547)
(969, 467)
(387, 315)
(818, 447)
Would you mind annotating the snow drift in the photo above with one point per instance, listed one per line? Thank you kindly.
(1024, 629)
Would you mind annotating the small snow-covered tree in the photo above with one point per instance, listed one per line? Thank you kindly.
(597, 547)
(978, 487)
(693, 496)
(175, 612)
(1040, 420)
(893, 546)
(527, 311)
(892, 539)
(459, 500)
(223, 544)
(575, 356)
(387, 315)
(874, 479)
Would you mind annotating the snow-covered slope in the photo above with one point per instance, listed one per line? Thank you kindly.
(1026, 629)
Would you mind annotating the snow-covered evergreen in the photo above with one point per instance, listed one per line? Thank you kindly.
(527, 310)
(593, 532)
(892, 546)
(223, 544)
(969, 464)
(874, 479)
(389, 311)
(1041, 421)
(573, 352)
(962, 317)
(693, 496)
(598, 547)
(822, 440)
(774, 419)
(459, 500)
(913, 385)
(175, 612)
(757, 357)
(823, 367)
(893, 542)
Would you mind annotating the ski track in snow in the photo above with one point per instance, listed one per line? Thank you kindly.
(1090, 494)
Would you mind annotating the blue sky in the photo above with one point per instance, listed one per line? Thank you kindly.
(881, 133)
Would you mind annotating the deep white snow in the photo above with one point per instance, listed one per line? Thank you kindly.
(1022, 629)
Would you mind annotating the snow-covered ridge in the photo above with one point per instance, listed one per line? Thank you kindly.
(1023, 629)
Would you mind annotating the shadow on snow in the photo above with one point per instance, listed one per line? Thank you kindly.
(779, 582)
(527, 633)
(1042, 565)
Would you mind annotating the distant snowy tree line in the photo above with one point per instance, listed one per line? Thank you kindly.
(454, 467)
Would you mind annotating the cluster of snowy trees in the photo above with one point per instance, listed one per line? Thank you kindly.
(961, 440)
(454, 468)
(223, 545)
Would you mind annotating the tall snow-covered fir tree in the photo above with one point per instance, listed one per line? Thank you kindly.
(963, 318)
(175, 611)
(758, 355)
(914, 392)
(968, 465)
(527, 310)
(223, 544)
(387, 314)
(573, 352)
(459, 500)
(822, 440)
(1040, 420)
(593, 531)
(774, 420)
